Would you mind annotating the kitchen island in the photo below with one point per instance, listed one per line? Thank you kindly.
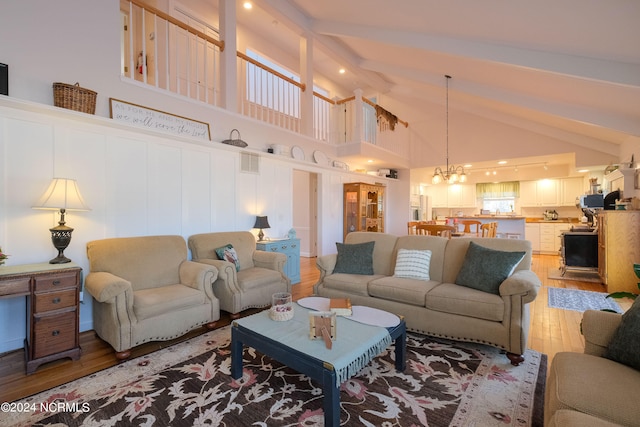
(508, 225)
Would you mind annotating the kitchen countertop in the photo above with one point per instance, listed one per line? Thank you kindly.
(561, 220)
(488, 217)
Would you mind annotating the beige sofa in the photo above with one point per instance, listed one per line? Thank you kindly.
(261, 273)
(586, 389)
(439, 307)
(145, 289)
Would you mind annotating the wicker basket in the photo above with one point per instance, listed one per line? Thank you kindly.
(74, 97)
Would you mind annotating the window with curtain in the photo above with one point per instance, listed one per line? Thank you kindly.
(498, 190)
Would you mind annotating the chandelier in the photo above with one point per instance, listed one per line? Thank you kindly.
(452, 173)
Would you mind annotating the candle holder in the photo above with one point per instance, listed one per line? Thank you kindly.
(281, 307)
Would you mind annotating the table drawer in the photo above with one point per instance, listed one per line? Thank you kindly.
(15, 287)
(53, 334)
(54, 282)
(48, 301)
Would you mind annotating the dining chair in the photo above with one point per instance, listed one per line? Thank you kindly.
(489, 229)
(470, 224)
(411, 227)
(436, 230)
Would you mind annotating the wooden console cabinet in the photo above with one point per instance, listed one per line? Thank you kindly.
(363, 207)
(53, 312)
(618, 249)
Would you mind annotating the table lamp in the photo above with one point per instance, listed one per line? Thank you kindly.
(261, 222)
(63, 194)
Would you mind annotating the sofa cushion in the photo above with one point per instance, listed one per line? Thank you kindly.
(356, 258)
(228, 253)
(625, 344)
(351, 283)
(592, 385)
(412, 264)
(456, 299)
(485, 269)
(404, 290)
(159, 301)
(256, 277)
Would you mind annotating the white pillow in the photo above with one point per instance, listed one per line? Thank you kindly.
(413, 264)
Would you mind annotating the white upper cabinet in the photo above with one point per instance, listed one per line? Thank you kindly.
(539, 193)
(461, 196)
(570, 189)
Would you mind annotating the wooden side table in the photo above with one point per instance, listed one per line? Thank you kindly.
(53, 312)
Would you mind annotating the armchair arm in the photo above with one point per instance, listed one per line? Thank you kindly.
(598, 328)
(227, 279)
(198, 276)
(522, 282)
(104, 287)
(270, 260)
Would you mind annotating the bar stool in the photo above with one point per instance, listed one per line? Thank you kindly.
(469, 223)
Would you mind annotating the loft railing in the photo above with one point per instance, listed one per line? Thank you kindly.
(168, 54)
(176, 57)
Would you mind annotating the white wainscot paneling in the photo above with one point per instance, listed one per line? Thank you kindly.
(228, 192)
(196, 192)
(126, 194)
(164, 197)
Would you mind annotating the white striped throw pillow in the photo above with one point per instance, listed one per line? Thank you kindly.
(413, 264)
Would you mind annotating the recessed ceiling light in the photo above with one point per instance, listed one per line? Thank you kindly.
(502, 162)
(247, 5)
(369, 161)
(583, 170)
(467, 165)
(342, 71)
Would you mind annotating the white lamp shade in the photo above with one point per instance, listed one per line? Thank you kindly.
(63, 193)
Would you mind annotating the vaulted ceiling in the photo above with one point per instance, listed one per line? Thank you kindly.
(548, 78)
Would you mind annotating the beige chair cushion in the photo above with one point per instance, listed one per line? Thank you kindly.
(456, 299)
(257, 277)
(593, 385)
(157, 301)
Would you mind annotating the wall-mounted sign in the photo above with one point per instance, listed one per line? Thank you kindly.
(152, 119)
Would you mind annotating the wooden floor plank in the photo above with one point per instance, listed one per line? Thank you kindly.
(552, 330)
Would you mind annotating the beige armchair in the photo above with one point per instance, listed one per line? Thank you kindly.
(144, 289)
(260, 274)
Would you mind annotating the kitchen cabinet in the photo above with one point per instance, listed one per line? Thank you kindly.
(289, 247)
(532, 234)
(461, 196)
(439, 195)
(618, 249)
(363, 207)
(539, 193)
(53, 296)
(547, 239)
(570, 189)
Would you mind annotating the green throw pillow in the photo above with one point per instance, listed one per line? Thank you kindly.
(625, 345)
(228, 253)
(485, 269)
(354, 258)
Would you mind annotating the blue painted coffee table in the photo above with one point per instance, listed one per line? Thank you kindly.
(289, 343)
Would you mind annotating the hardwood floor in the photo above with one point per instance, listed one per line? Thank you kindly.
(552, 331)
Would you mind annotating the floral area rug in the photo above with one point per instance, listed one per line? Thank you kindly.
(445, 383)
(579, 300)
